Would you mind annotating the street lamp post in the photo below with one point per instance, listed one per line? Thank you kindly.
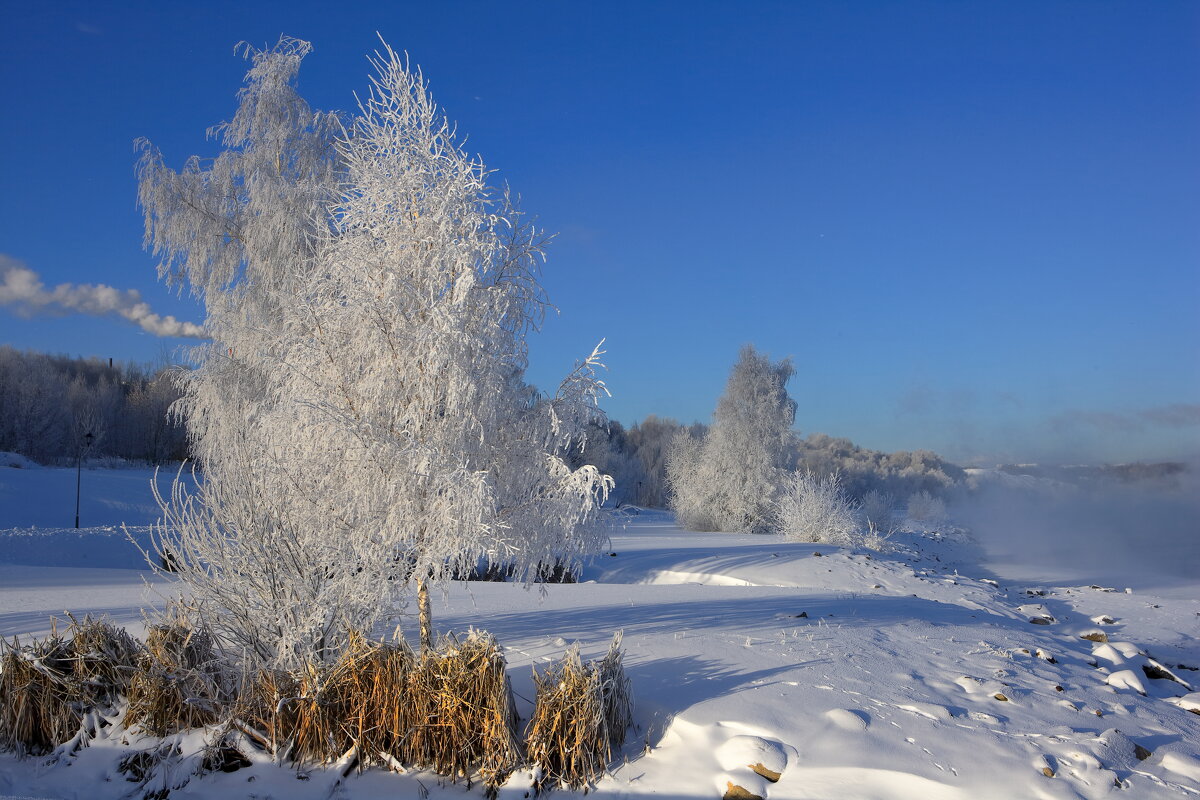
(79, 472)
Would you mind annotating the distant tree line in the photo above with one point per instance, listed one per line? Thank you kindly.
(636, 457)
(862, 471)
(49, 403)
(749, 472)
(1080, 475)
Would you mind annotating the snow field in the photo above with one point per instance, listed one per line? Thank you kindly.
(911, 674)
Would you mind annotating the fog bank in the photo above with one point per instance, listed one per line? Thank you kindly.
(1142, 535)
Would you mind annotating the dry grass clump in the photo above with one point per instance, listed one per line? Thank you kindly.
(449, 710)
(460, 714)
(303, 714)
(320, 713)
(580, 716)
(48, 686)
(378, 703)
(38, 708)
(105, 659)
(180, 682)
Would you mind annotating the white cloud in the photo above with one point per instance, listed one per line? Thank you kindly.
(22, 289)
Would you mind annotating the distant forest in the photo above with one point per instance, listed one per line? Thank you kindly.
(636, 459)
(49, 403)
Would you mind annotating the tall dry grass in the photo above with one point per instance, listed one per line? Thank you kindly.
(320, 713)
(581, 714)
(181, 682)
(461, 712)
(448, 709)
(38, 708)
(105, 659)
(48, 686)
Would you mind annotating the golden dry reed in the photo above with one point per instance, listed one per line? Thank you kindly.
(449, 709)
(37, 699)
(581, 714)
(321, 713)
(180, 683)
(47, 686)
(106, 659)
(461, 712)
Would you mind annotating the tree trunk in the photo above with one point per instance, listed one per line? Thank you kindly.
(425, 615)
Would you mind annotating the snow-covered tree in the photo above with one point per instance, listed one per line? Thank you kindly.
(650, 440)
(240, 232)
(407, 351)
(728, 480)
(361, 417)
(689, 493)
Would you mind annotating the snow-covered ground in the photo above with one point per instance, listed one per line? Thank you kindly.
(915, 675)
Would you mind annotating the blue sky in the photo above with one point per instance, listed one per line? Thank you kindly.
(974, 227)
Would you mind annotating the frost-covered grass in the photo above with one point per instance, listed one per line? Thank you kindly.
(851, 674)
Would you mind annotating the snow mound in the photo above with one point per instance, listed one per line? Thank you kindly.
(16, 461)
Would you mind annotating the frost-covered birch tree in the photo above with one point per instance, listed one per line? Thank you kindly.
(727, 481)
(362, 417)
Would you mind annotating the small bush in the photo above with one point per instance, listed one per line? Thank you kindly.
(581, 715)
(878, 509)
(924, 507)
(816, 509)
(875, 539)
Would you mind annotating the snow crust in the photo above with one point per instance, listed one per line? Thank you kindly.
(908, 675)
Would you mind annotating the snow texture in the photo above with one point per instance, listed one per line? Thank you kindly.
(910, 675)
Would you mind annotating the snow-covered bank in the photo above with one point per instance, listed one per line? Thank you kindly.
(910, 675)
(44, 497)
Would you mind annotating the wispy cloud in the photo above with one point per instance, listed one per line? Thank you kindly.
(22, 290)
(1103, 421)
(1176, 415)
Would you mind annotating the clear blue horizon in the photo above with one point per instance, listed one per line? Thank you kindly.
(973, 227)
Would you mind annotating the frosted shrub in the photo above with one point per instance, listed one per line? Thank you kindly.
(816, 509)
(876, 539)
(924, 507)
(688, 499)
(877, 509)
